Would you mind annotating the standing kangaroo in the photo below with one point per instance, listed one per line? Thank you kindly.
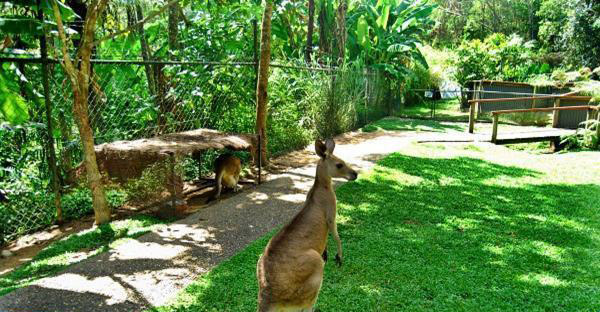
(227, 173)
(290, 271)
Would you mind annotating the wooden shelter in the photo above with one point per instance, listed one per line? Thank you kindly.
(125, 160)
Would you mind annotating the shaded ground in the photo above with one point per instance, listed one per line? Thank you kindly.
(150, 270)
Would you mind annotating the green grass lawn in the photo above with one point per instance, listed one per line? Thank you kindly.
(456, 227)
(75, 248)
(447, 110)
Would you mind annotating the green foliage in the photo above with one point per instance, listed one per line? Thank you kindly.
(385, 34)
(304, 104)
(582, 34)
(458, 20)
(13, 107)
(465, 230)
(553, 15)
(78, 202)
(497, 58)
(153, 182)
(586, 136)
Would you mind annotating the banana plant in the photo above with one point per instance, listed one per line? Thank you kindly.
(385, 33)
(22, 22)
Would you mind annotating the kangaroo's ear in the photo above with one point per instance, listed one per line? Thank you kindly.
(320, 149)
(330, 145)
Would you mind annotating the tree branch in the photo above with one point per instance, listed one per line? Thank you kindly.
(132, 27)
(68, 64)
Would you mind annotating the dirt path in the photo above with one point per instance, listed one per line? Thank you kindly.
(152, 269)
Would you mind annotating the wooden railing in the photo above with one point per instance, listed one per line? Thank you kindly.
(496, 115)
(558, 98)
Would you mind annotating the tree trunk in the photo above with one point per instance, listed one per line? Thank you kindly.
(324, 46)
(341, 31)
(80, 83)
(94, 179)
(146, 52)
(173, 28)
(263, 80)
(309, 33)
(67, 158)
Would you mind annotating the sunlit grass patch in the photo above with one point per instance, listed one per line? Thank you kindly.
(457, 229)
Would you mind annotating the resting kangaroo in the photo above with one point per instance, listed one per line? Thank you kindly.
(290, 271)
(227, 173)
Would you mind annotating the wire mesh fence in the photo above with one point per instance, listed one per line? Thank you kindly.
(131, 100)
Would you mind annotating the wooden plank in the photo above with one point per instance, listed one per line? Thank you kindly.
(512, 83)
(556, 113)
(529, 98)
(495, 129)
(548, 109)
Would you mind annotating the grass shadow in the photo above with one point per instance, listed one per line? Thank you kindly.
(75, 248)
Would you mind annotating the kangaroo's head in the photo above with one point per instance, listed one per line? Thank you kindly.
(329, 164)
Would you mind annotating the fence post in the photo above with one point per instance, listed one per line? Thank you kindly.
(259, 161)
(556, 114)
(472, 117)
(495, 128)
(49, 125)
(172, 174)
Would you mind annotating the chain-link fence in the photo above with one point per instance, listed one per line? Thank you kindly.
(131, 100)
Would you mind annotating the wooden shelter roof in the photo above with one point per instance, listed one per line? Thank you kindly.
(180, 143)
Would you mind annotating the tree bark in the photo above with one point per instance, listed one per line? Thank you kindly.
(173, 28)
(263, 80)
(80, 82)
(67, 158)
(309, 33)
(324, 46)
(341, 31)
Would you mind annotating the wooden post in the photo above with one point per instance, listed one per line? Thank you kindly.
(495, 128)
(173, 185)
(556, 113)
(588, 119)
(472, 117)
(479, 89)
(259, 162)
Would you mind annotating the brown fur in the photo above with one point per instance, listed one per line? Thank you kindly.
(227, 173)
(290, 271)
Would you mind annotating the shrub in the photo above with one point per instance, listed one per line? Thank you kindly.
(585, 137)
(498, 57)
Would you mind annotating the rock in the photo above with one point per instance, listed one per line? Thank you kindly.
(6, 253)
